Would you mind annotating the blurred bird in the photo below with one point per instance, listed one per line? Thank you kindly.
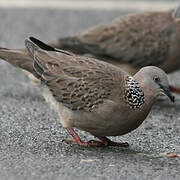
(88, 94)
(132, 42)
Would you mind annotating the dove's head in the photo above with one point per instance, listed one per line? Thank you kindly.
(154, 82)
(176, 12)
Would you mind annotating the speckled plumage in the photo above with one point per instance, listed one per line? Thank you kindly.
(133, 93)
(79, 83)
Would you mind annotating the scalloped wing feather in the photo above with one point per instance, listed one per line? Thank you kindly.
(79, 83)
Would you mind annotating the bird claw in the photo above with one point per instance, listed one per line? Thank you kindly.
(111, 143)
(118, 144)
(96, 143)
(82, 143)
(104, 141)
(108, 142)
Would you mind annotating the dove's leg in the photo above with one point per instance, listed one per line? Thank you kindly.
(174, 89)
(108, 142)
(77, 140)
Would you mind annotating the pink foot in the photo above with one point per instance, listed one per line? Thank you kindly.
(77, 140)
(174, 89)
(108, 142)
(104, 141)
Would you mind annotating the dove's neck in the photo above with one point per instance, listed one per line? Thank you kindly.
(150, 93)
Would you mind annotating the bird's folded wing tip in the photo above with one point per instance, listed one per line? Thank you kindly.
(30, 46)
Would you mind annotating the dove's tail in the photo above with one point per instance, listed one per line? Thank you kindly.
(18, 58)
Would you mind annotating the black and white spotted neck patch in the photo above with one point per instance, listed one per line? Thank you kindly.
(134, 96)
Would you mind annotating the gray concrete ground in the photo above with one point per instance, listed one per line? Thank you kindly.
(31, 135)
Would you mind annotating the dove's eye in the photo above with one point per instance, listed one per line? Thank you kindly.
(156, 79)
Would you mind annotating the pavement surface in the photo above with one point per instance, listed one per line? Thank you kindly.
(31, 135)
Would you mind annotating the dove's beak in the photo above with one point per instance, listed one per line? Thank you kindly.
(167, 92)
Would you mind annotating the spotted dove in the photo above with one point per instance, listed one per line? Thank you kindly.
(89, 94)
(132, 42)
